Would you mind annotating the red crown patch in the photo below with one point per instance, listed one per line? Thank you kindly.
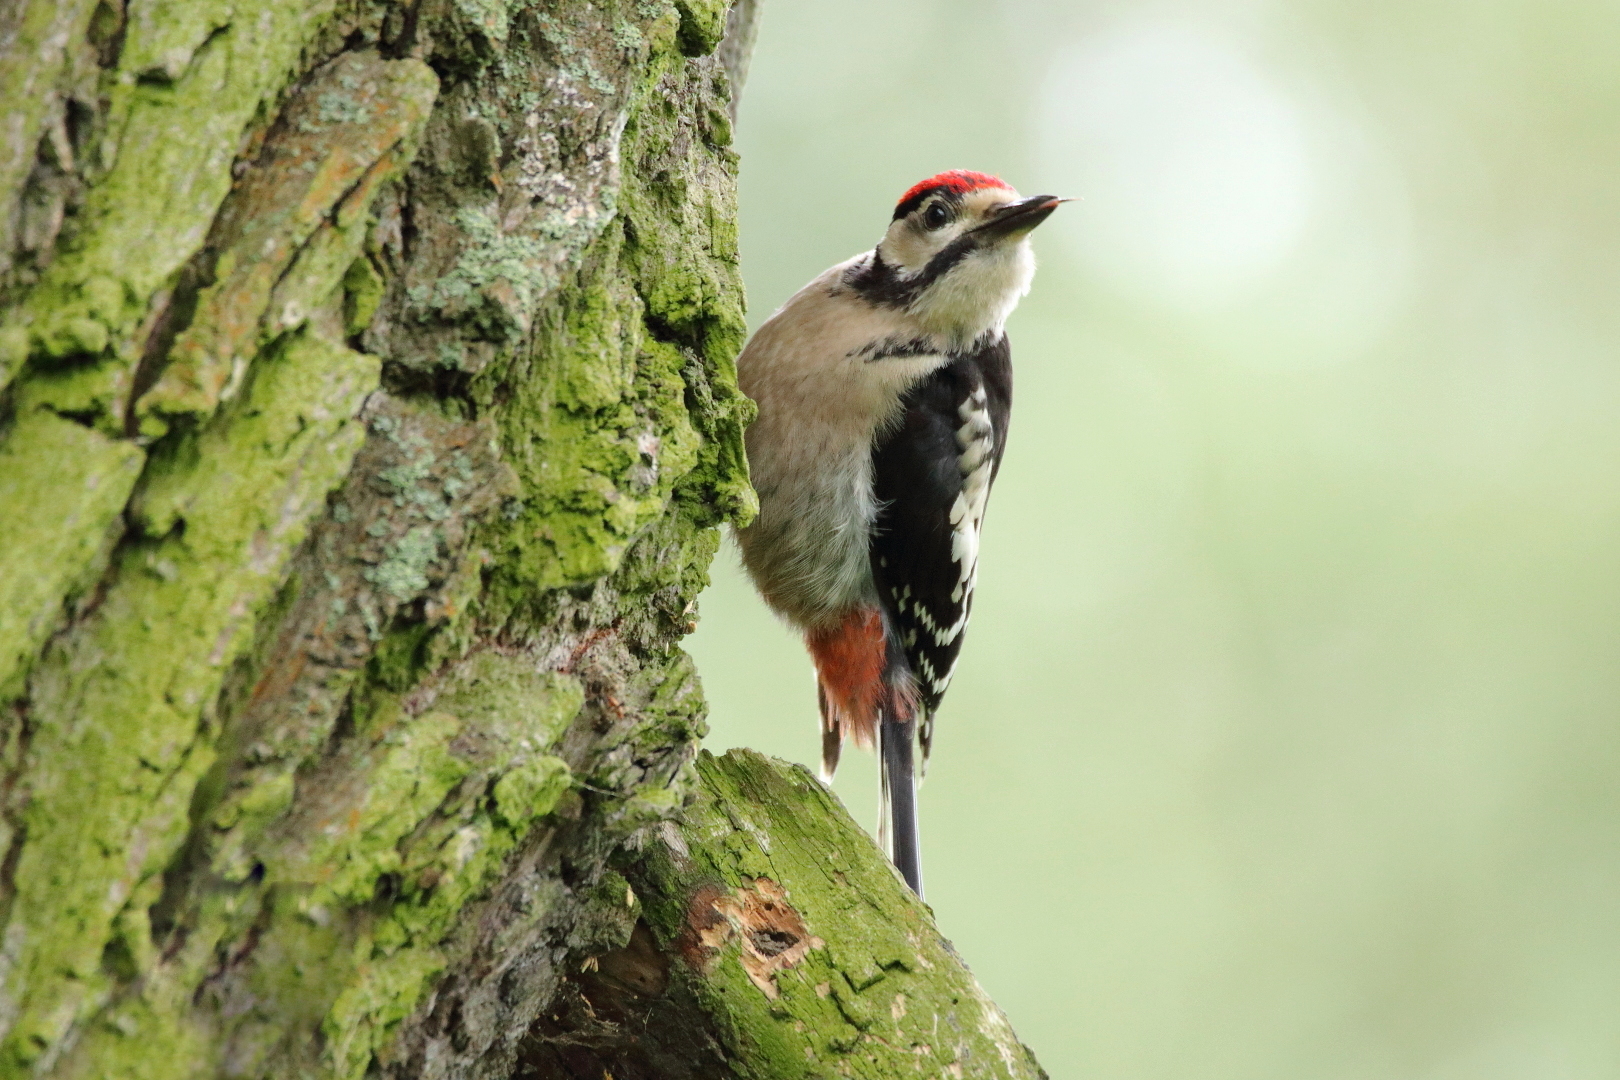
(960, 181)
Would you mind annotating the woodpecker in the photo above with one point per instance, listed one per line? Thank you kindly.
(884, 389)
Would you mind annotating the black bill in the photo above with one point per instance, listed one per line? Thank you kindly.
(1018, 217)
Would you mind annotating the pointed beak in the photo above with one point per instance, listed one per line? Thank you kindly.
(1016, 219)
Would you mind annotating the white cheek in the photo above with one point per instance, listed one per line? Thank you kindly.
(910, 251)
(980, 293)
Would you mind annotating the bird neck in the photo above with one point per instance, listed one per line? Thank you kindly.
(974, 298)
(960, 302)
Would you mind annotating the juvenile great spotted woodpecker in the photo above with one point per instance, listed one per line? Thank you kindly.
(884, 388)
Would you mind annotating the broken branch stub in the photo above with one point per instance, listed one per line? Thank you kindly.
(774, 940)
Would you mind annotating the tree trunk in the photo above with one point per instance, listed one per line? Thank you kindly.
(369, 413)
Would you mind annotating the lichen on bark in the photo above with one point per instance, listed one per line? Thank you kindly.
(369, 406)
(367, 414)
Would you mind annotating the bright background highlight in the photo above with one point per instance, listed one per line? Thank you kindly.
(1286, 743)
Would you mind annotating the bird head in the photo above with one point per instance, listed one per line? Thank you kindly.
(957, 254)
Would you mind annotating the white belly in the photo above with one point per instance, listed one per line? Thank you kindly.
(807, 550)
(822, 403)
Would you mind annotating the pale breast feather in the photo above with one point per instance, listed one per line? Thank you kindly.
(932, 475)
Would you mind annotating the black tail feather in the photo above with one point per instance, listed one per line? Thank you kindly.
(897, 823)
(832, 736)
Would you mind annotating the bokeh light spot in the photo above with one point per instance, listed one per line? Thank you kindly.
(1193, 164)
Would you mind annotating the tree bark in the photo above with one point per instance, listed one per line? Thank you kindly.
(765, 935)
(369, 412)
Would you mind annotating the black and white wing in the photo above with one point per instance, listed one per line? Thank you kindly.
(932, 477)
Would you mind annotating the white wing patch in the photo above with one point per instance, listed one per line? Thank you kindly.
(976, 443)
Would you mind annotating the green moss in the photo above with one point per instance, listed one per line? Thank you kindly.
(531, 790)
(317, 899)
(295, 224)
(513, 701)
(363, 290)
(116, 751)
(600, 463)
(703, 24)
(602, 384)
(383, 993)
(190, 82)
(442, 839)
(62, 487)
(13, 352)
(435, 805)
(137, 1042)
(414, 773)
(400, 657)
(39, 33)
(312, 286)
(875, 993)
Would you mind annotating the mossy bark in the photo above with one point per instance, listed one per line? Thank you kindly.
(367, 415)
(763, 935)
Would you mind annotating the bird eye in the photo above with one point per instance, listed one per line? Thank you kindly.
(936, 216)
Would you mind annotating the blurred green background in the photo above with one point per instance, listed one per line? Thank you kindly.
(1285, 743)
